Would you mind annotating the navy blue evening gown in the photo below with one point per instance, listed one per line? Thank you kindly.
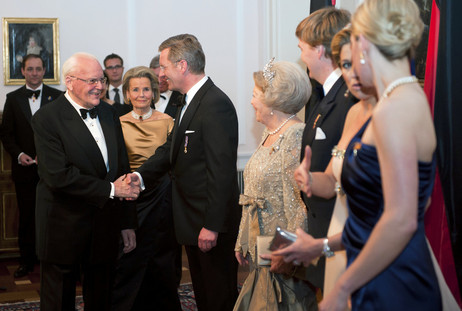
(409, 283)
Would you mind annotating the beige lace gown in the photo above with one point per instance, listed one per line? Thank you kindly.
(272, 198)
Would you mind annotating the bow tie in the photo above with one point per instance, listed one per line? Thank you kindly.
(181, 100)
(163, 97)
(31, 93)
(92, 112)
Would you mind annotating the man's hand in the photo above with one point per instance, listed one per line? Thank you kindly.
(127, 186)
(26, 160)
(129, 238)
(207, 239)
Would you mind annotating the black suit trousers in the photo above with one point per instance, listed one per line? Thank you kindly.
(25, 197)
(214, 275)
(58, 283)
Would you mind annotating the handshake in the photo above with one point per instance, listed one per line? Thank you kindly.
(127, 186)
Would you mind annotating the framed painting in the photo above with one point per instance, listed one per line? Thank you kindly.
(23, 36)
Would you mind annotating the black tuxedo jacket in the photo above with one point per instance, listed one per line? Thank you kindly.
(173, 104)
(329, 116)
(201, 154)
(75, 218)
(16, 131)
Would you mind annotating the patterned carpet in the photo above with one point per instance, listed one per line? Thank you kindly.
(185, 292)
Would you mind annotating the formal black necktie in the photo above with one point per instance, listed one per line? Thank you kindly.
(92, 112)
(181, 100)
(31, 93)
(116, 96)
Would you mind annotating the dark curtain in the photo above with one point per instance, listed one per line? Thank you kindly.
(447, 118)
(319, 4)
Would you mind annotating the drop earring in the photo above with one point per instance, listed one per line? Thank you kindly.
(362, 60)
(347, 93)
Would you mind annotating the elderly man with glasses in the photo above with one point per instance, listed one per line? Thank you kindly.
(81, 151)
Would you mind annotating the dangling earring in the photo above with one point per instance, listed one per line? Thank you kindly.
(362, 60)
(271, 113)
(347, 92)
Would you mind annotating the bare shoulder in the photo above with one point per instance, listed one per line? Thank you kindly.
(404, 118)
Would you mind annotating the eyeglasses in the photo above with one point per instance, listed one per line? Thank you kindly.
(174, 63)
(92, 81)
(114, 67)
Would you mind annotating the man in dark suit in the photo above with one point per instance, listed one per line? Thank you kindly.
(18, 139)
(169, 100)
(326, 113)
(201, 155)
(80, 150)
(114, 68)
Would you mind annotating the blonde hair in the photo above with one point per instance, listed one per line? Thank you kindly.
(394, 26)
(320, 27)
(141, 72)
(288, 91)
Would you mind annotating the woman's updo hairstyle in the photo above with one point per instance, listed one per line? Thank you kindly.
(394, 26)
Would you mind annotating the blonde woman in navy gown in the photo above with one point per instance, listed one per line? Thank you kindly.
(148, 277)
(387, 174)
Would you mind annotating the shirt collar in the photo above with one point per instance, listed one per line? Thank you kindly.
(331, 79)
(39, 88)
(192, 91)
(76, 106)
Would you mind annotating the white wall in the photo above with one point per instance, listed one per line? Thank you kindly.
(238, 38)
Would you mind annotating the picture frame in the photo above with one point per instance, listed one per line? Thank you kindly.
(22, 36)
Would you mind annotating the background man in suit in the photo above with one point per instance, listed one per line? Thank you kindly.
(201, 155)
(80, 150)
(326, 115)
(114, 68)
(169, 100)
(18, 139)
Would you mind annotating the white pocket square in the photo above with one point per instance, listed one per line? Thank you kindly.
(189, 132)
(320, 135)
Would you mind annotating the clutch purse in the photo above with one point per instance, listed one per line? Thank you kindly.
(263, 243)
(281, 239)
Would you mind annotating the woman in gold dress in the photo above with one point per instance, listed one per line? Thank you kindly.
(148, 275)
(271, 196)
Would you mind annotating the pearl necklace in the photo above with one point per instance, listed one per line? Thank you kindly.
(280, 126)
(142, 117)
(398, 82)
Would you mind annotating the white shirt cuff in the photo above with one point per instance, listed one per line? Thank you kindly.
(141, 180)
(111, 195)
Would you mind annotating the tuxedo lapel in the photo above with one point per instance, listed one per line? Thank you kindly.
(321, 111)
(187, 117)
(80, 133)
(24, 104)
(107, 124)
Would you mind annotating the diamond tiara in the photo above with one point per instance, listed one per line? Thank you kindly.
(268, 74)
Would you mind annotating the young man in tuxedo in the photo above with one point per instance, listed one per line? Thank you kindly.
(169, 100)
(201, 156)
(81, 151)
(18, 139)
(327, 110)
